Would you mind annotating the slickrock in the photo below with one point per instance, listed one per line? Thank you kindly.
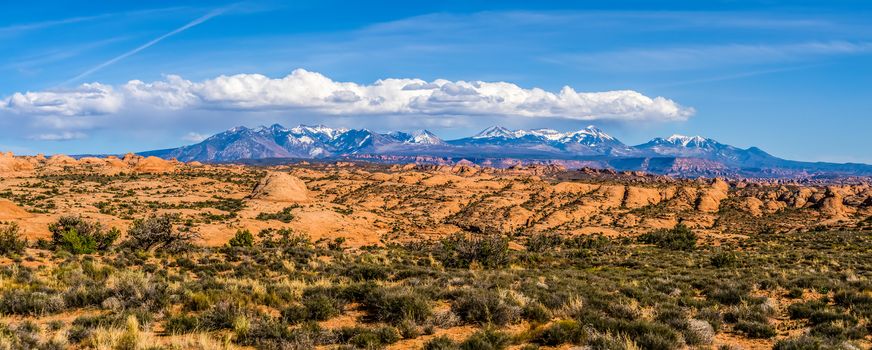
(710, 199)
(832, 204)
(752, 206)
(280, 187)
(9, 163)
(61, 160)
(10, 211)
(154, 165)
(637, 197)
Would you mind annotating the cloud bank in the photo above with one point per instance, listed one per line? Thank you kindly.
(314, 92)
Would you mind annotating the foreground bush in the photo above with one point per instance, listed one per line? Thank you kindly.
(441, 343)
(560, 332)
(486, 339)
(79, 236)
(395, 306)
(679, 237)
(462, 250)
(242, 238)
(157, 233)
(11, 241)
(485, 307)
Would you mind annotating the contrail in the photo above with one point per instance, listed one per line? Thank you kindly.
(193, 23)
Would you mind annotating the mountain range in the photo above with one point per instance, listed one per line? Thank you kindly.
(589, 147)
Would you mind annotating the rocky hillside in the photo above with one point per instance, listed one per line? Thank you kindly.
(367, 202)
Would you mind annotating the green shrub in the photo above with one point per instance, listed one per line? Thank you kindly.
(486, 339)
(441, 343)
(157, 233)
(560, 332)
(11, 240)
(461, 250)
(221, 316)
(295, 314)
(367, 272)
(320, 307)
(799, 343)
(712, 316)
(542, 242)
(536, 312)
(729, 293)
(268, 333)
(395, 306)
(647, 334)
(79, 236)
(283, 238)
(180, 324)
(21, 301)
(484, 307)
(754, 329)
(679, 237)
(242, 238)
(367, 338)
(284, 215)
(724, 258)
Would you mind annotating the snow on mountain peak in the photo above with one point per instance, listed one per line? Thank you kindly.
(684, 141)
(494, 131)
(424, 137)
(591, 131)
(320, 129)
(590, 134)
(236, 129)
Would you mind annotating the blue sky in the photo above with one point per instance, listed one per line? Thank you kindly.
(793, 79)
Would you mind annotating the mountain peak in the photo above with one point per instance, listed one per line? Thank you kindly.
(593, 131)
(319, 129)
(494, 131)
(236, 129)
(682, 141)
(425, 137)
(686, 140)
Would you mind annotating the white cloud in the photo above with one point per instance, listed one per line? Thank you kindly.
(62, 136)
(319, 94)
(194, 137)
(86, 99)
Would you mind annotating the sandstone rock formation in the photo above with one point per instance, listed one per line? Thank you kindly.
(61, 160)
(752, 206)
(637, 197)
(280, 187)
(9, 163)
(832, 204)
(710, 199)
(10, 211)
(153, 165)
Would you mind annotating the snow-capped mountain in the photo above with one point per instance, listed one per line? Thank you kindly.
(589, 146)
(705, 148)
(681, 143)
(589, 135)
(424, 137)
(589, 141)
(302, 141)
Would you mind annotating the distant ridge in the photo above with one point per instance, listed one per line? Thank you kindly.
(677, 155)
